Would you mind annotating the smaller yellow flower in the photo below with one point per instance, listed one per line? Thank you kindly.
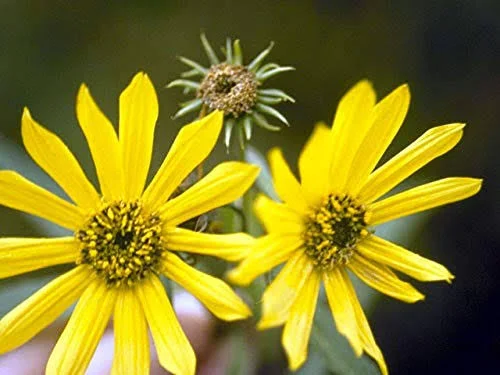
(325, 225)
(124, 238)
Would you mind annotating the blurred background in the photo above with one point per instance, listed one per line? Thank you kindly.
(448, 52)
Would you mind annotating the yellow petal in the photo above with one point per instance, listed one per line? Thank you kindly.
(131, 352)
(433, 143)
(191, 146)
(285, 183)
(232, 247)
(138, 115)
(224, 184)
(388, 116)
(174, 350)
(383, 279)
(297, 329)
(267, 252)
(21, 255)
(277, 217)
(364, 331)
(52, 155)
(314, 164)
(423, 197)
(341, 307)
(42, 308)
(103, 144)
(77, 343)
(20, 194)
(215, 294)
(351, 123)
(395, 256)
(279, 297)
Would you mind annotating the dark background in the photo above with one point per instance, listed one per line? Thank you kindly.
(448, 52)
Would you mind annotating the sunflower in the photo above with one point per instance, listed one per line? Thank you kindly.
(123, 239)
(325, 225)
(235, 89)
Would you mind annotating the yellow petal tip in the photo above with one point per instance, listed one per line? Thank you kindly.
(295, 363)
(419, 297)
(273, 152)
(235, 277)
(26, 113)
(83, 88)
(263, 325)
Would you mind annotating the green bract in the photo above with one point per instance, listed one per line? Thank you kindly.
(233, 88)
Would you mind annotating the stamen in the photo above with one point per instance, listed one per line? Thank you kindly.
(122, 243)
(333, 231)
(230, 88)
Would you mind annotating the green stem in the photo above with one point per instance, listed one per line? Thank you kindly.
(246, 207)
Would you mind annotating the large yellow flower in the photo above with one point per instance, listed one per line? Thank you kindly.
(325, 225)
(124, 238)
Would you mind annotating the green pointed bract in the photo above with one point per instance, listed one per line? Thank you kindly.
(241, 137)
(194, 65)
(212, 57)
(266, 68)
(238, 53)
(254, 65)
(262, 122)
(273, 72)
(247, 126)
(228, 130)
(234, 88)
(229, 51)
(272, 112)
(190, 106)
(275, 93)
(191, 73)
(184, 83)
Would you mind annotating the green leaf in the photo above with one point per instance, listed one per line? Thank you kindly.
(14, 290)
(239, 363)
(336, 352)
(264, 180)
(315, 365)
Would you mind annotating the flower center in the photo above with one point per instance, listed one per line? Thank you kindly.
(333, 231)
(122, 243)
(229, 88)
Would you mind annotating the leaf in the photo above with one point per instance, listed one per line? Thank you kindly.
(264, 180)
(334, 349)
(239, 363)
(15, 290)
(315, 365)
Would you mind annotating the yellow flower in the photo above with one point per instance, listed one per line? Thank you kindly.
(325, 225)
(124, 238)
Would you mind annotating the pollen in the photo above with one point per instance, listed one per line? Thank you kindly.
(122, 243)
(230, 88)
(333, 230)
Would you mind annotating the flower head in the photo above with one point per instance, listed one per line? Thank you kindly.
(124, 238)
(326, 223)
(235, 89)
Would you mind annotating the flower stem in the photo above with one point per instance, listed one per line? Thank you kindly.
(246, 207)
